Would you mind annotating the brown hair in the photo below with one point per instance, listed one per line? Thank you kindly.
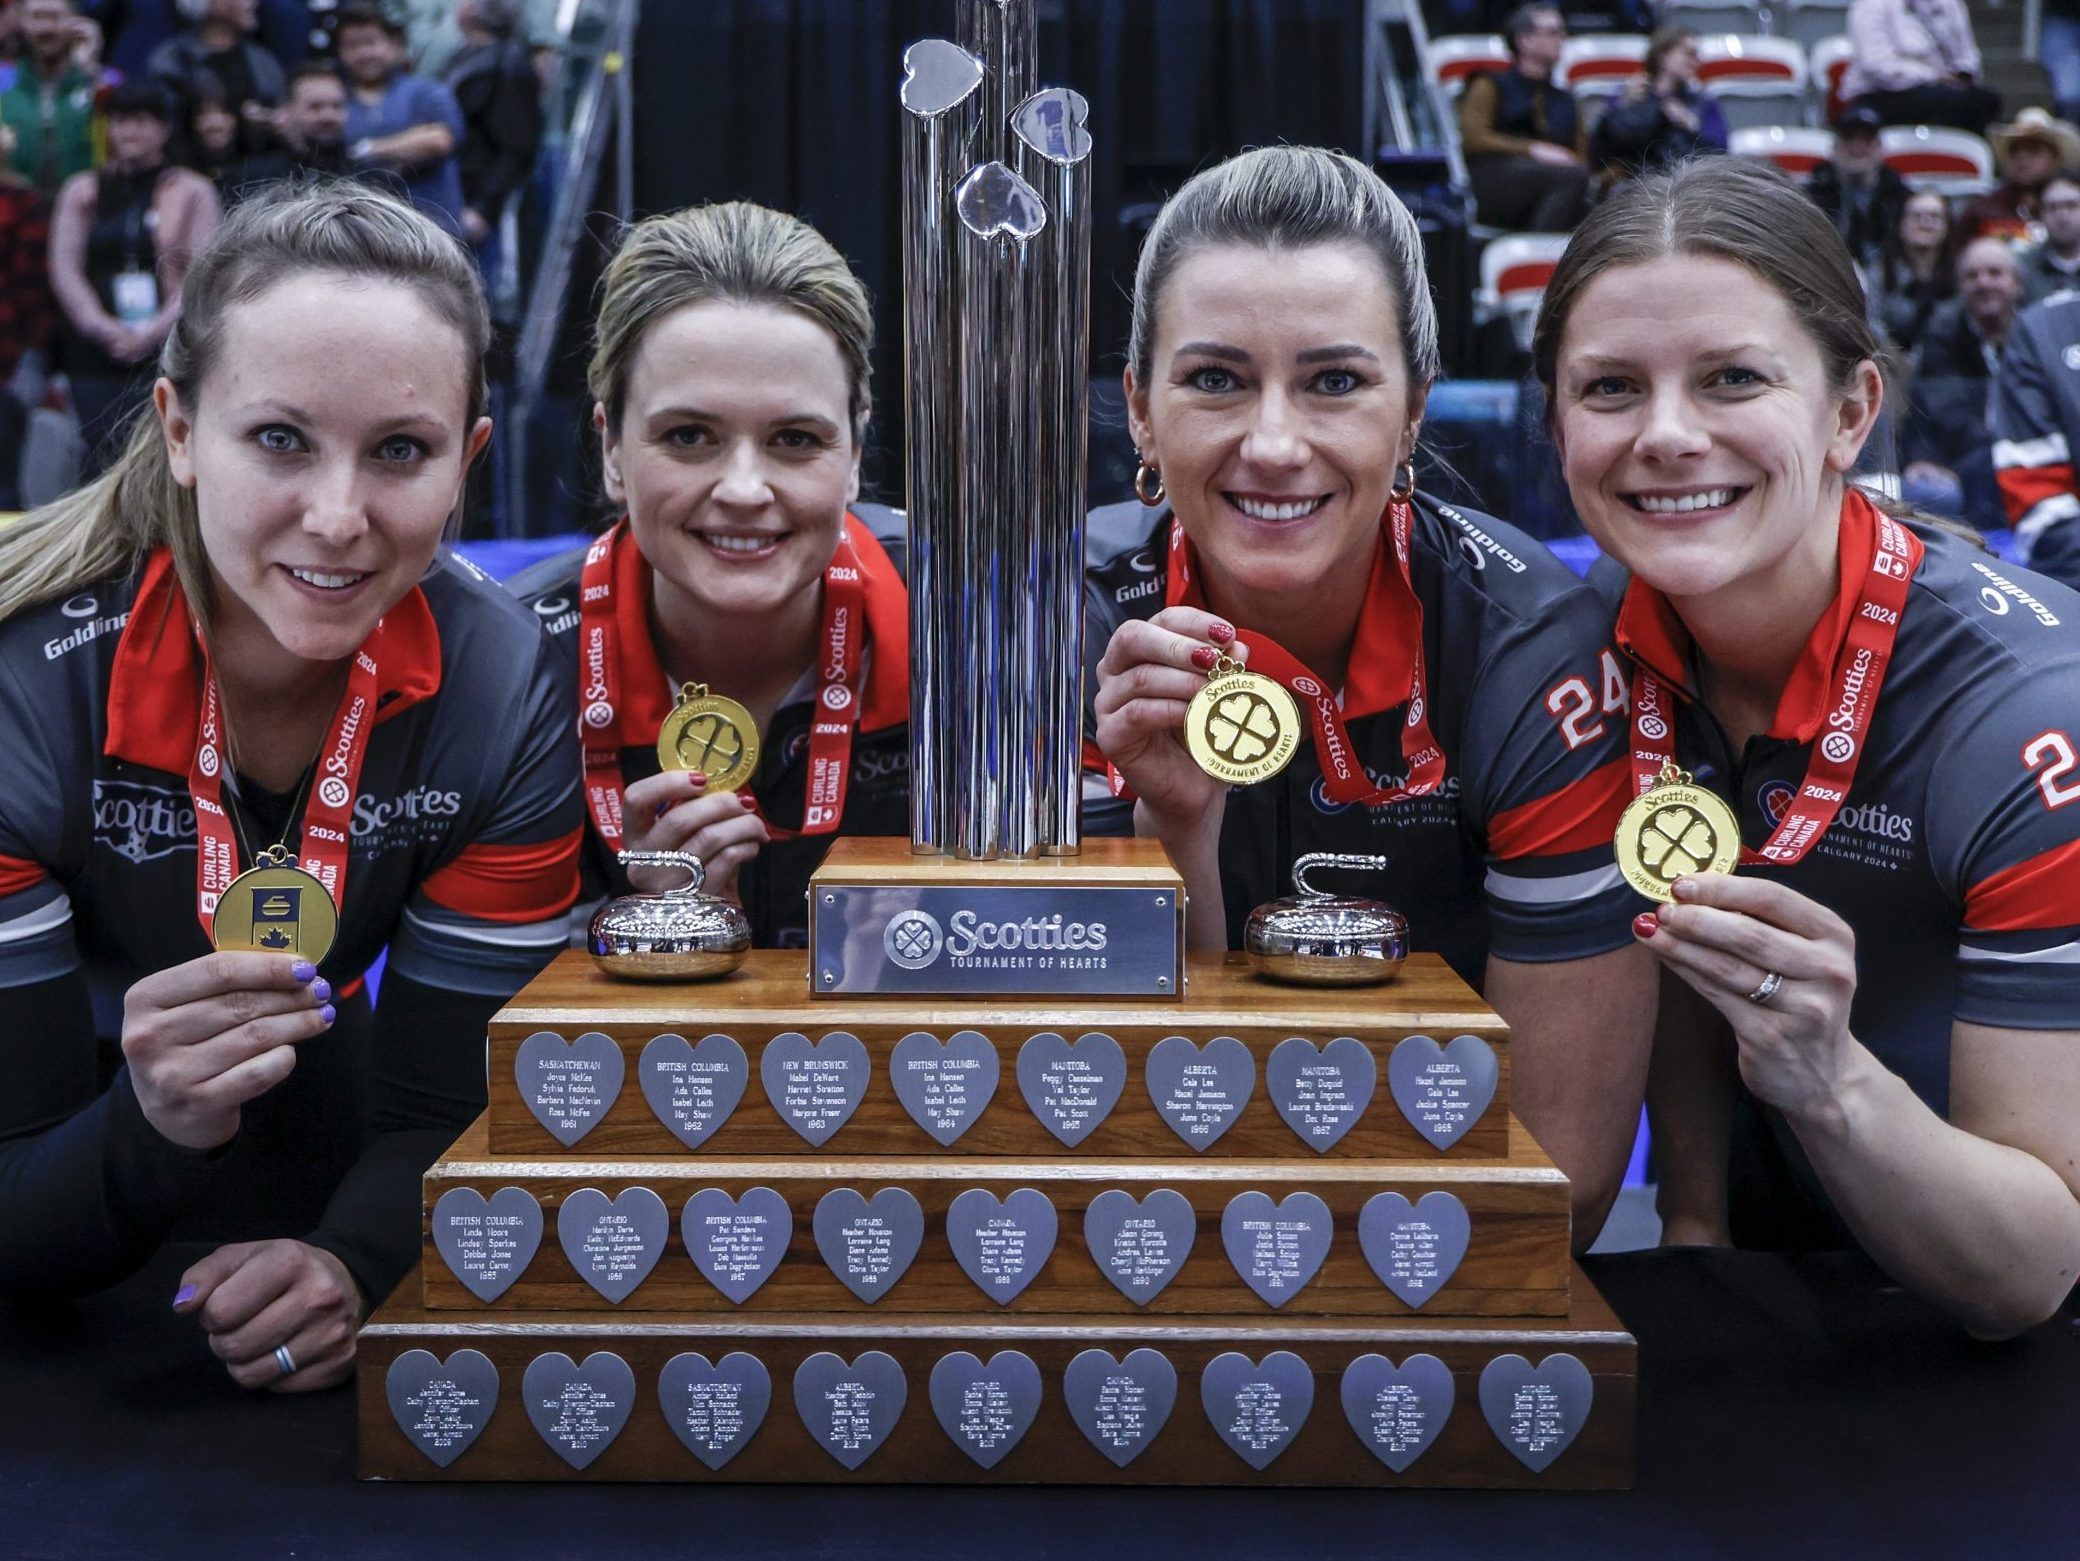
(1738, 210)
(736, 252)
(1666, 41)
(1285, 198)
(342, 229)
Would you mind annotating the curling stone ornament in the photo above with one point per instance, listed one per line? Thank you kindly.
(1315, 938)
(680, 935)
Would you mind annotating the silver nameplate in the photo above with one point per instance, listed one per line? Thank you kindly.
(948, 940)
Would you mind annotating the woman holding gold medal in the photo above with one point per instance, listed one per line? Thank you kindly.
(741, 637)
(1303, 654)
(1875, 715)
(244, 702)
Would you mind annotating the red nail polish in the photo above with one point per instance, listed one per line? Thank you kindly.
(1646, 924)
(748, 800)
(696, 778)
(1204, 658)
(1221, 633)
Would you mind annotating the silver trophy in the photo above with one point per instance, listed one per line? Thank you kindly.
(996, 263)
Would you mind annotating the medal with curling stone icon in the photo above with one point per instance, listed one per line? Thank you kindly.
(1675, 829)
(711, 733)
(1242, 727)
(277, 908)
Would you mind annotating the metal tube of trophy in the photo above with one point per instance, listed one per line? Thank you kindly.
(942, 105)
(1003, 35)
(1054, 150)
(1000, 216)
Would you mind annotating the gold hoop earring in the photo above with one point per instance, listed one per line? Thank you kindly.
(1404, 490)
(1141, 492)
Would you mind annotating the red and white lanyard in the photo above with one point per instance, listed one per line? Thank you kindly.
(1859, 673)
(1343, 777)
(841, 658)
(328, 816)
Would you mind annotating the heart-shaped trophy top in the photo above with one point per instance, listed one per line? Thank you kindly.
(1053, 123)
(938, 76)
(994, 202)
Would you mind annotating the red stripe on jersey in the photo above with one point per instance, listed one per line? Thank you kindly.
(2041, 893)
(17, 874)
(515, 883)
(1577, 817)
(2023, 488)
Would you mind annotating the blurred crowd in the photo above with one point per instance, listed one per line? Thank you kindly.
(127, 129)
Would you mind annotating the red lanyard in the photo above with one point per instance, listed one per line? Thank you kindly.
(328, 817)
(1343, 776)
(1859, 672)
(841, 657)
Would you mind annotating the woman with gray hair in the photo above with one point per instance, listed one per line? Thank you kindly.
(1457, 679)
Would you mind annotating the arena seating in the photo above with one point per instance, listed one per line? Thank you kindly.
(1797, 149)
(1930, 157)
(1758, 80)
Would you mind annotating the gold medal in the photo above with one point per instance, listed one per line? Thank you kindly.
(1242, 727)
(278, 908)
(1672, 830)
(709, 733)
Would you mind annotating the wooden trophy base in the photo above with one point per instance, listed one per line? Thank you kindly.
(1515, 1261)
(768, 997)
(616, 1434)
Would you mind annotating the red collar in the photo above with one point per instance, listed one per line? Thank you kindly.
(1383, 655)
(1650, 631)
(649, 695)
(155, 683)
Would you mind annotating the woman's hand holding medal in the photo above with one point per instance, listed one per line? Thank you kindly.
(675, 811)
(205, 1037)
(1146, 680)
(1781, 968)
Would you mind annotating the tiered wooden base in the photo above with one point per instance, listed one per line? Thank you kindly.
(1186, 1451)
(1513, 1310)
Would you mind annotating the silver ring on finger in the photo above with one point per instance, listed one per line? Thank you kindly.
(285, 1360)
(1770, 982)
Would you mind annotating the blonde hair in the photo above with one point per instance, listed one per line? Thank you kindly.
(107, 526)
(1285, 198)
(736, 252)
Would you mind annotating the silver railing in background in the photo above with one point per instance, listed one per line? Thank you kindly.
(996, 267)
(597, 44)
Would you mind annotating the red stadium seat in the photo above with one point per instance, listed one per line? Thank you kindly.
(1601, 62)
(1931, 157)
(1757, 80)
(1452, 60)
(1796, 149)
(1826, 66)
(1514, 271)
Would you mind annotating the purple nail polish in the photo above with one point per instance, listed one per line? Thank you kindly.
(305, 970)
(183, 1296)
(328, 1013)
(321, 989)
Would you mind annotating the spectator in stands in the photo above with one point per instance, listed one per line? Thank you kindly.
(2058, 42)
(2036, 418)
(50, 109)
(1917, 270)
(214, 53)
(1861, 195)
(2054, 265)
(397, 121)
(313, 126)
(28, 321)
(1661, 114)
(1525, 144)
(495, 87)
(1915, 63)
(121, 238)
(1948, 443)
(211, 144)
(2031, 150)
